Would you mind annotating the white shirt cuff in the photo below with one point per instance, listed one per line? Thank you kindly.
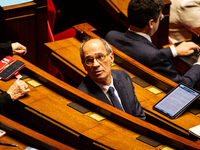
(197, 63)
(173, 50)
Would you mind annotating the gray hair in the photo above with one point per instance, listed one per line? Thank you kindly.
(107, 46)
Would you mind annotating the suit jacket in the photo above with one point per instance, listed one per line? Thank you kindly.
(5, 99)
(143, 51)
(184, 15)
(125, 89)
(6, 49)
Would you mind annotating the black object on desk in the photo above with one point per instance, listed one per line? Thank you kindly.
(191, 59)
(7, 144)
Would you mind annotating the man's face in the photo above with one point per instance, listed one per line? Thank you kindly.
(99, 69)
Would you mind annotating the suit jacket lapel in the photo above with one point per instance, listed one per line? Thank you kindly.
(122, 93)
(96, 91)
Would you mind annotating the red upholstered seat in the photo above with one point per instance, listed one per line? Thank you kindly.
(71, 32)
(62, 35)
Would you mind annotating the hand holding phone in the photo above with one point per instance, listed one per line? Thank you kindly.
(11, 68)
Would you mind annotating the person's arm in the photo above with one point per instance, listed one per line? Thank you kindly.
(137, 110)
(18, 49)
(12, 49)
(5, 99)
(16, 90)
(162, 64)
(186, 48)
(6, 49)
(139, 113)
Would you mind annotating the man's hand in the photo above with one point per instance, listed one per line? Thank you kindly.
(18, 89)
(186, 48)
(18, 49)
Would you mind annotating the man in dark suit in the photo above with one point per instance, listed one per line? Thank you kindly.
(144, 18)
(97, 58)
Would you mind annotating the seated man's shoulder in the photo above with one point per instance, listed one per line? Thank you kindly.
(112, 35)
(119, 73)
(84, 83)
(113, 32)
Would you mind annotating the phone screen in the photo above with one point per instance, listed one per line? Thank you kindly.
(11, 69)
(175, 102)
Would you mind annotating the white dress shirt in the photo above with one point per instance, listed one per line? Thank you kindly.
(105, 90)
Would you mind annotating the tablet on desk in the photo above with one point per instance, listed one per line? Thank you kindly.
(177, 101)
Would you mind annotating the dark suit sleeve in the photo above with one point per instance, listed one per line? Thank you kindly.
(136, 107)
(159, 60)
(162, 64)
(126, 91)
(85, 85)
(6, 49)
(89, 87)
(5, 99)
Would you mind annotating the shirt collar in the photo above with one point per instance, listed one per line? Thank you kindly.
(142, 34)
(105, 87)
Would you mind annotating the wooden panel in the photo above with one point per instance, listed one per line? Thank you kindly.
(47, 106)
(160, 38)
(48, 110)
(26, 38)
(195, 34)
(121, 5)
(30, 22)
(146, 98)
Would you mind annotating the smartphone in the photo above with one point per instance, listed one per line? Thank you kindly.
(9, 71)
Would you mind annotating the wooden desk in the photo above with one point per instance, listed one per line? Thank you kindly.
(46, 107)
(68, 50)
(24, 137)
(118, 10)
(195, 33)
(30, 21)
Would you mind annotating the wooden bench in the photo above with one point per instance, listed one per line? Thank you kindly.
(67, 51)
(47, 107)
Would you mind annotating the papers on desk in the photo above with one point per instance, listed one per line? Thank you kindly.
(195, 131)
(4, 3)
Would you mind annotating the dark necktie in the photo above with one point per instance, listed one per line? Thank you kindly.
(114, 98)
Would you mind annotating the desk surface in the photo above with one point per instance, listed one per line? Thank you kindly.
(70, 52)
(22, 136)
(65, 48)
(195, 32)
(46, 107)
(48, 103)
(29, 20)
